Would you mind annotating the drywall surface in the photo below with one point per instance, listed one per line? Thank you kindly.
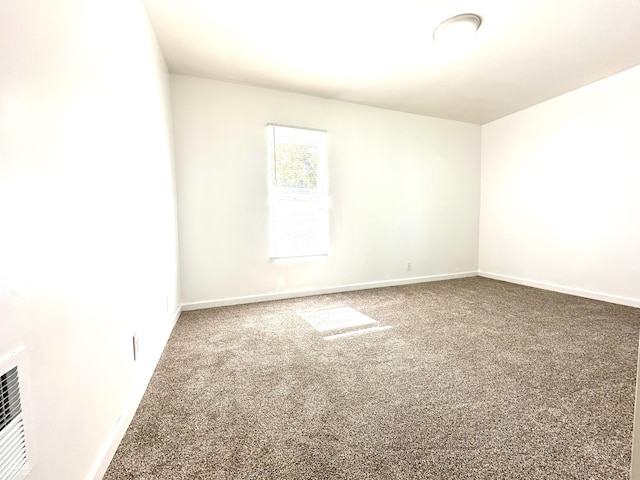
(560, 196)
(404, 188)
(88, 250)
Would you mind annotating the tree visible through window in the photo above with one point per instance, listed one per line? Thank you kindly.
(298, 207)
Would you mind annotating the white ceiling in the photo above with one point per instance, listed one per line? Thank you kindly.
(381, 53)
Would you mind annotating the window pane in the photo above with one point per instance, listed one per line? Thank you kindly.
(296, 167)
(299, 227)
(299, 214)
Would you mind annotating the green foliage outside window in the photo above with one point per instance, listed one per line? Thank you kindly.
(296, 166)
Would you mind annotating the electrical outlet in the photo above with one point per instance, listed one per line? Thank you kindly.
(136, 347)
(408, 266)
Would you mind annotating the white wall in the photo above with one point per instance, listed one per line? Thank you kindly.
(88, 250)
(560, 193)
(403, 187)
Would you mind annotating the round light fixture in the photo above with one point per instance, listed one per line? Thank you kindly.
(457, 29)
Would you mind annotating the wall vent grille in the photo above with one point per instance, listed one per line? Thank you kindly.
(13, 451)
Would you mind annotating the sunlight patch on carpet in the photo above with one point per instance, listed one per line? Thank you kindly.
(353, 333)
(335, 318)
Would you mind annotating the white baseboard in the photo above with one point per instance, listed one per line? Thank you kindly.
(630, 302)
(321, 291)
(130, 409)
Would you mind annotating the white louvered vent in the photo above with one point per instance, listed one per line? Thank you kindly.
(13, 450)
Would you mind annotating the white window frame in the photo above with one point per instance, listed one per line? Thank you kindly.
(291, 209)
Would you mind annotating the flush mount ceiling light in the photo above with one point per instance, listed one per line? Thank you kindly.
(457, 29)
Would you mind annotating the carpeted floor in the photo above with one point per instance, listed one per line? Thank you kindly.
(468, 379)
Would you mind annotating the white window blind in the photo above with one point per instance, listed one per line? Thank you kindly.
(298, 193)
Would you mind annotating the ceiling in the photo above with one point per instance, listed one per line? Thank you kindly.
(381, 53)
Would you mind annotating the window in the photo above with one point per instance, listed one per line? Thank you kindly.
(298, 195)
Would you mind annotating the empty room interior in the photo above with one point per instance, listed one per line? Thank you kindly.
(335, 239)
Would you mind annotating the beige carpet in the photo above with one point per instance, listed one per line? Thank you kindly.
(461, 379)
